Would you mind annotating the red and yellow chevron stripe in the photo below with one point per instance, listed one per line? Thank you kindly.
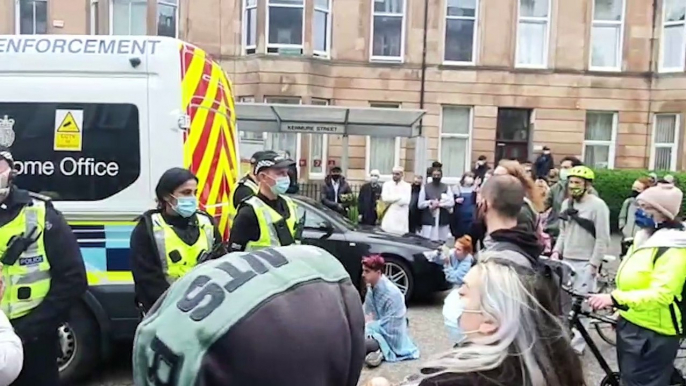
(210, 146)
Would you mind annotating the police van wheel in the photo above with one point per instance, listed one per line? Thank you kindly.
(79, 345)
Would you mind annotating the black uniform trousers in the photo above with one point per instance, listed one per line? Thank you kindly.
(40, 362)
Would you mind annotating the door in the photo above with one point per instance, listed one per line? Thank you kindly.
(513, 134)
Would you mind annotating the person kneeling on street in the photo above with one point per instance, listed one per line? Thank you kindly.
(386, 316)
(278, 316)
(649, 294)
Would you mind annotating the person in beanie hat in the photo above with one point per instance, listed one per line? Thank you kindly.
(282, 316)
(649, 294)
(168, 240)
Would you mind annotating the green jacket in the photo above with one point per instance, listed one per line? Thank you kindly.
(650, 290)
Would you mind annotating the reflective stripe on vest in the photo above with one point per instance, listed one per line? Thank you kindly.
(266, 218)
(243, 181)
(27, 281)
(168, 241)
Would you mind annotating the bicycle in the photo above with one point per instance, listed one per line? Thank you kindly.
(606, 284)
(612, 378)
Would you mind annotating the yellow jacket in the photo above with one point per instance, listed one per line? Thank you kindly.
(651, 288)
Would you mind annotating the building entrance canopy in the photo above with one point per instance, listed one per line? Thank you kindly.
(336, 120)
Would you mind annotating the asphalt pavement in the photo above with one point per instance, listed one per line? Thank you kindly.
(426, 326)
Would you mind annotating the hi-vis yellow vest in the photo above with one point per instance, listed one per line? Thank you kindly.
(176, 256)
(27, 281)
(232, 208)
(266, 218)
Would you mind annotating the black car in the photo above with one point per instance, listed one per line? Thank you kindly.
(406, 262)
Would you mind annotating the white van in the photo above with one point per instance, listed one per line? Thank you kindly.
(93, 121)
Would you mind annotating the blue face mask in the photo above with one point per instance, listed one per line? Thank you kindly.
(453, 308)
(186, 206)
(281, 185)
(644, 220)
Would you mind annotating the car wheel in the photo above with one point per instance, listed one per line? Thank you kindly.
(79, 345)
(400, 274)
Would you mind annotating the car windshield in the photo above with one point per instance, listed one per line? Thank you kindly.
(335, 216)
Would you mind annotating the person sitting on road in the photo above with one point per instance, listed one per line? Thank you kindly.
(386, 317)
(458, 260)
(278, 316)
(649, 294)
(507, 335)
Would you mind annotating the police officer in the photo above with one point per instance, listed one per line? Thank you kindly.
(268, 218)
(168, 241)
(247, 186)
(43, 274)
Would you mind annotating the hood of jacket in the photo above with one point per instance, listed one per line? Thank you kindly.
(526, 242)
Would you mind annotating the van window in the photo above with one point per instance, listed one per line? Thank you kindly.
(56, 157)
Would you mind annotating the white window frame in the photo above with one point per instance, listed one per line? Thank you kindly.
(532, 19)
(111, 16)
(619, 45)
(468, 137)
(612, 143)
(475, 35)
(277, 46)
(325, 145)
(248, 49)
(368, 147)
(323, 54)
(674, 146)
(17, 16)
(94, 15)
(403, 31)
(176, 16)
(298, 137)
(665, 23)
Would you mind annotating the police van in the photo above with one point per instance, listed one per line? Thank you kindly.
(93, 121)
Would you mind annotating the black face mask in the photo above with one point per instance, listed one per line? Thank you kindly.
(635, 193)
(335, 177)
(436, 180)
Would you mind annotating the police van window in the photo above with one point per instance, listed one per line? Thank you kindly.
(75, 151)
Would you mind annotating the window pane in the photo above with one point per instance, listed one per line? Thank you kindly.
(139, 22)
(120, 18)
(285, 25)
(455, 120)
(317, 161)
(286, 2)
(110, 135)
(251, 3)
(462, 8)
(251, 27)
(322, 4)
(599, 126)
(605, 46)
(320, 31)
(597, 156)
(672, 51)
(513, 125)
(663, 158)
(675, 10)
(459, 40)
(665, 129)
(320, 102)
(312, 220)
(453, 156)
(166, 20)
(387, 31)
(532, 43)
(608, 10)
(26, 22)
(282, 100)
(389, 6)
(41, 17)
(382, 154)
(284, 142)
(533, 8)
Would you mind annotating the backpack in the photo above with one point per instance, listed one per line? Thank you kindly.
(680, 328)
(573, 215)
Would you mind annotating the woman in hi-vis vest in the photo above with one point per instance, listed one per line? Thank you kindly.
(168, 240)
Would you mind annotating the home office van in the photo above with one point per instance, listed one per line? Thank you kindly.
(93, 122)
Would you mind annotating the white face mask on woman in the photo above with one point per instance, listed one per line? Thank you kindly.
(453, 308)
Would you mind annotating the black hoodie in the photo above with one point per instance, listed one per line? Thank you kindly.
(516, 240)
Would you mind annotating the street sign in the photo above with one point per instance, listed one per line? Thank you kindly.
(313, 128)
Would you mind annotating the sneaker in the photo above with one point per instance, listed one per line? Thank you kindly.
(374, 359)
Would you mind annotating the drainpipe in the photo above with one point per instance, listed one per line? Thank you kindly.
(651, 78)
(420, 143)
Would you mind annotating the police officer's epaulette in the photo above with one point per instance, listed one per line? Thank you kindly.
(244, 200)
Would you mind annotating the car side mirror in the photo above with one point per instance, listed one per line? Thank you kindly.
(326, 226)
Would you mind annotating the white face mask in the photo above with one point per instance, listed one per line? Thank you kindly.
(374, 179)
(453, 308)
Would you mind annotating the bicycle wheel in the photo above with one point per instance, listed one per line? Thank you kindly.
(606, 331)
(681, 353)
(613, 379)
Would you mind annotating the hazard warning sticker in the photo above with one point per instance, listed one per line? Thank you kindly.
(68, 130)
